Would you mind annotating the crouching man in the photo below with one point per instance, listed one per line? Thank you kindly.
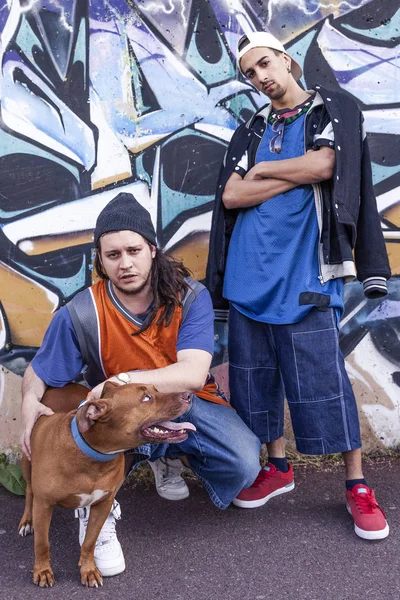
(147, 322)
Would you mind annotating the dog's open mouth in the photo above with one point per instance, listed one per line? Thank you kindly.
(167, 431)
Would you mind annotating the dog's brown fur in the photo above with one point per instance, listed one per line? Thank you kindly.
(60, 474)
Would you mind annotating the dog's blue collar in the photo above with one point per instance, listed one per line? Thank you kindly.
(84, 446)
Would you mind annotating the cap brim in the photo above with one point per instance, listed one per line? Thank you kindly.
(297, 71)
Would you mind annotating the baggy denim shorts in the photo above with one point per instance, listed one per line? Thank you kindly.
(302, 360)
(223, 453)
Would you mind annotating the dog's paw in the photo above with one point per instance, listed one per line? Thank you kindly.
(91, 577)
(25, 528)
(43, 577)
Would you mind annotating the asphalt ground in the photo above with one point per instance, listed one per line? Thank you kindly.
(299, 546)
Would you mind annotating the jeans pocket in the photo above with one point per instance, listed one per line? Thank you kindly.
(260, 425)
(257, 397)
(310, 445)
(317, 356)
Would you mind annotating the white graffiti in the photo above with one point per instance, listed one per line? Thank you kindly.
(383, 420)
(167, 10)
(63, 14)
(77, 215)
(360, 66)
(27, 6)
(311, 8)
(43, 117)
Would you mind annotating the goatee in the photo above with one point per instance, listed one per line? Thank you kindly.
(132, 292)
(137, 290)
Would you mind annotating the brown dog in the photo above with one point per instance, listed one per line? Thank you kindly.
(61, 474)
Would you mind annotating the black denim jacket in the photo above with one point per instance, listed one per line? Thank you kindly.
(346, 204)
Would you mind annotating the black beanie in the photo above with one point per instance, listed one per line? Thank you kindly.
(125, 212)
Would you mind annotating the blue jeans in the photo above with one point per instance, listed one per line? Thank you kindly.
(304, 360)
(223, 453)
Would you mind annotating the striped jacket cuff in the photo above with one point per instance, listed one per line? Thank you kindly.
(375, 287)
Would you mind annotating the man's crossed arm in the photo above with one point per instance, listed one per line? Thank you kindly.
(268, 179)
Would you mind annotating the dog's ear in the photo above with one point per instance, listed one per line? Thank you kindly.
(108, 389)
(90, 413)
(151, 388)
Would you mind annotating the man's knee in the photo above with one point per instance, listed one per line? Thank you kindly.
(246, 460)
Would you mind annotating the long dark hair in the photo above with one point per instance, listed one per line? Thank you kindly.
(167, 283)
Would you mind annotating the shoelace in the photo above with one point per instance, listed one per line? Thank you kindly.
(170, 474)
(108, 532)
(170, 481)
(107, 535)
(261, 477)
(366, 503)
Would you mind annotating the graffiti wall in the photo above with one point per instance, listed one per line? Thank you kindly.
(143, 96)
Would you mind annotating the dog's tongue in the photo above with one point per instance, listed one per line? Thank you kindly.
(177, 426)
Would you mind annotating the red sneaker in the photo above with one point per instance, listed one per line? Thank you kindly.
(369, 519)
(269, 483)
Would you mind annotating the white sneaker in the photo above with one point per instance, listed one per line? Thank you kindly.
(169, 483)
(108, 554)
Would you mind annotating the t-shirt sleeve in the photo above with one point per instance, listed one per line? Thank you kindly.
(326, 138)
(243, 165)
(197, 330)
(59, 361)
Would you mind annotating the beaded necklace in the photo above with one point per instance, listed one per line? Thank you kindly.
(291, 114)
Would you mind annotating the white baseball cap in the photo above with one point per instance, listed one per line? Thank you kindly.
(262, 39)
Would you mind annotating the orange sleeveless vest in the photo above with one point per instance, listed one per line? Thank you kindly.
(121, 351)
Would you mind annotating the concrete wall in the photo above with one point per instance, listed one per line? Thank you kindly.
(98, 96)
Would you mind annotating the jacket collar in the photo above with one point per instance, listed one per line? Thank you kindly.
(265, 111)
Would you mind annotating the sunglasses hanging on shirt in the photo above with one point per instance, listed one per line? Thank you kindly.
(279, 119)
(278, 127)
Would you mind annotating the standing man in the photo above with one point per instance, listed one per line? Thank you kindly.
(147, 322)
(294, 199)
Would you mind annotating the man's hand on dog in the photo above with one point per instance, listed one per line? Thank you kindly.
(96, 392)
(31, 411)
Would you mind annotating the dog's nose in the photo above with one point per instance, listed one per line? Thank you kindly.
(186, 397)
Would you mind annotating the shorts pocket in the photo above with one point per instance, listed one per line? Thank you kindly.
(257, 397)
(316, 356)
(260, 425)
(310, 445)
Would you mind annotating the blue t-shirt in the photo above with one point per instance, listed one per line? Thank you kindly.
(273, 252)
(59, 361)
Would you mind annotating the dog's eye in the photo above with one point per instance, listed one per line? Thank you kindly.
(146, 398)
